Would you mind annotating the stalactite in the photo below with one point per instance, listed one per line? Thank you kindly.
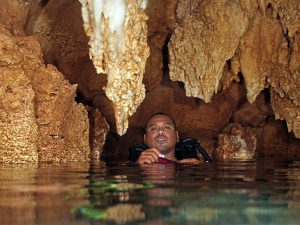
(118, 48)
(203, 43)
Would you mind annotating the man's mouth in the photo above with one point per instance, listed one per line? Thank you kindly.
(161, 139)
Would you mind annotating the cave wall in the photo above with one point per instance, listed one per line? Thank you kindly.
(222, 69)
(184, 38)
(40, 120)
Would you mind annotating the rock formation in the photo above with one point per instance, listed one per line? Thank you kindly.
(98, 131)
(40, 120)
(202, 43)
(236, 142)
(260, 38)
(39, 107)
(118, 47)
(238, 61)
(18, 126)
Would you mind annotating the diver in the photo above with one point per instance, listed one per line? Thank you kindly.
(162, 144)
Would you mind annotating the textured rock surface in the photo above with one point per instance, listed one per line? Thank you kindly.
(62, 132)
(98, 131)
(286, 109)
(255, 114)
(273, 60)
(259, 39)
(40, 119)
(59, 30)
(275, 139)
(161, 23)
(18, 125)
(187, 112)
(201, 45)
(253, 54)
(119, 49)
(236, 143)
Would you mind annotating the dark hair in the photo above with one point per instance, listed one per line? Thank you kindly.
(160, 114)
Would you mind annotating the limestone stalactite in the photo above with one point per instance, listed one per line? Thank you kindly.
(260, 39)
(118, 48)
(201, 45)
(286, 110)
(269, 57)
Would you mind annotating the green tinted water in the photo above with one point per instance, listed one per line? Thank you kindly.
(252, 192)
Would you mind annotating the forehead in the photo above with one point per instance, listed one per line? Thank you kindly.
(159, 119)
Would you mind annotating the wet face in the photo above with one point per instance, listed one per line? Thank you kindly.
(161, 134)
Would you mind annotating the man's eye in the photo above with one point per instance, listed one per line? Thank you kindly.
(153, 128)
(168, 127)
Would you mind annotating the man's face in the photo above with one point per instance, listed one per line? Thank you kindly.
(161, 134)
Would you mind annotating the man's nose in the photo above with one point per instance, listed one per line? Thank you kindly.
(161, 130)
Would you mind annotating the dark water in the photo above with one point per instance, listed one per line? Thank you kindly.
(252, 192)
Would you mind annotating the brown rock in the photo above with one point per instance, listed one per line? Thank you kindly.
(59, 29)
(101, 102)
(62, 139)
(236, 142)
(235, 94)
(161, 21)
(293, 149)
(13, 17)
(294, 64)
(254, 114)
(265, 58)
(254, 59)
(285, 108)
(288, 14)
(47, 101)
(98, 131)
(275, 139)
(154, 66)
(188, 113)
(201, 45)
(161, 15)
(231, 73)
(18, 125)
(117, 147)
(210, 116)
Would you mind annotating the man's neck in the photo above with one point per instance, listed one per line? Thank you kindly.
(171, 155)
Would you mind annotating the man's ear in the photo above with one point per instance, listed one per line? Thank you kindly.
(144, 138)
(177, 135)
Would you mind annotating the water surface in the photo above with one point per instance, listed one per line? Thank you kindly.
(248, 192)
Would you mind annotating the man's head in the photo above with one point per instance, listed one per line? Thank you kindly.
(161, 133)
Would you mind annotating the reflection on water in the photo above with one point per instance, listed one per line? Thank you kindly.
(248, 192)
